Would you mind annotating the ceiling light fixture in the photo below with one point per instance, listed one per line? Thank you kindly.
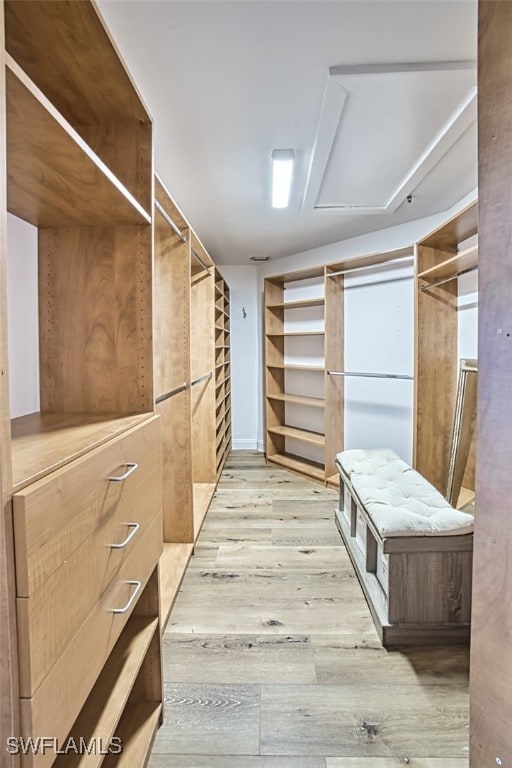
(282, 172)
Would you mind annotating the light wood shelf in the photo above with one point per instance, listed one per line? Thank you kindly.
(172, 566)
(304, 435)
(293, 367)
(43, 443)
(137, 731)
(466, 259)
(296, 333)
(203, 493)
(298, 464)
(102, 711)
(314, 402)
(304, 303)
(54, 178)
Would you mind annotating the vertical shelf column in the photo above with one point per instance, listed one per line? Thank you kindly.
(334, 361)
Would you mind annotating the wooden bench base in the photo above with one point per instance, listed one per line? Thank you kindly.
(418, 588)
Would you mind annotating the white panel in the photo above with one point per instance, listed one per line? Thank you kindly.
(22, 316)
(383, 129)
(305, 417)
(379, 327)
(468, 316)
(303, 350)
(304, 319)
(307, 383)
(307, 451)
(297, 290)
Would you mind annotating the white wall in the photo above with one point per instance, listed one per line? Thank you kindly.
(379, 338)
(245, 354)
(22, 316)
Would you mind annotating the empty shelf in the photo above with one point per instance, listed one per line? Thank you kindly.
(315, 402)
(298, 304)
(450, 267)
(305, 435)
(298, 464)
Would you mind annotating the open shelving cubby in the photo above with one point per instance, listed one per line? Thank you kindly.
(443, 259)
(89, 198)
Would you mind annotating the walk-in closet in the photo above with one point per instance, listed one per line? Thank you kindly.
(254, 353)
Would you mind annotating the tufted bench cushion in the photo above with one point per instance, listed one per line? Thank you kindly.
(397, 499)
(364, 461)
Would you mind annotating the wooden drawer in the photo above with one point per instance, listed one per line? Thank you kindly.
(60, 697)
(55, 515)
(51, 615)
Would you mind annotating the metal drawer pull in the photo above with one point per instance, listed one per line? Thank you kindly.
(135, 527)
(132, 466)
(137, 585)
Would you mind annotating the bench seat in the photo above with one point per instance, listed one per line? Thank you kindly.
(411, 550)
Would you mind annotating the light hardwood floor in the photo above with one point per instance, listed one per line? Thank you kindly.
(270, 656)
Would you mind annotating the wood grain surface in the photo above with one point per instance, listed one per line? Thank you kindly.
(270, 655)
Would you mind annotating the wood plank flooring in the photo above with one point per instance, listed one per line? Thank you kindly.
(270, 656)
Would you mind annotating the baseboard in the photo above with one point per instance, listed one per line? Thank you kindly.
(261, 446)
(245, 445)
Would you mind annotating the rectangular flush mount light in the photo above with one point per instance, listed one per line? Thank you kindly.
(282, 171)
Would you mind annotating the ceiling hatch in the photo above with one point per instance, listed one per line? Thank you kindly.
(383, 128)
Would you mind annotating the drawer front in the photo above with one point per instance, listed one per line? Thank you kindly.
(54, 516)
(50, 617)
(57, 702)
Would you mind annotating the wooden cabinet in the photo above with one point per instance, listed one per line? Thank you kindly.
(82, 477)
(442, 257)
(191, 380)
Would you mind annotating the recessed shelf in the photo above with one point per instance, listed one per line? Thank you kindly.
(466, 259)
(54, 178)
(298, 464)
(100, 715)
(293, 367)
(319, 302)
(305, 435)
(297, 333)
(315, 402)
(203, 493)
(136, 731)
(172, 566)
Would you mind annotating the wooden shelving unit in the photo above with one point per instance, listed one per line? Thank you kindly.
(304, 342)
(79, 168)
(222, 372)
(294, 315)
(440, 255)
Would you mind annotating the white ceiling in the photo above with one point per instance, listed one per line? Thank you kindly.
(229, 81)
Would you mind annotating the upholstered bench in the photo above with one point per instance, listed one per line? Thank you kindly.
(411, 550)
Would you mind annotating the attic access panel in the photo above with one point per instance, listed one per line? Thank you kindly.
(383, 128)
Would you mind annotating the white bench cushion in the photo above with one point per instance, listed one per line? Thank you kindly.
(400, 502)
(364, 461)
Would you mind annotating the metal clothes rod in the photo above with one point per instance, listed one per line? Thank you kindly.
(371, 375)
(170, 222)
(205, 266)
(449, 279)
(370, 266)
(201, 378)
(171, 393)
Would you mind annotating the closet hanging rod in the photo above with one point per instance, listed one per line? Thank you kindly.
(370, 266)
(170, 222)
(449, 279)
(171, 393)
(205, 266)
(201, 378)
(371, 375)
